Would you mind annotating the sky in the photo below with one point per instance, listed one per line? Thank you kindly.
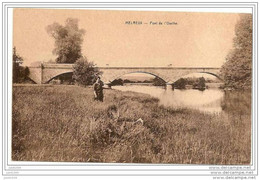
(189, 40)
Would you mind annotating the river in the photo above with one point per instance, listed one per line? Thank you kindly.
(211, 100)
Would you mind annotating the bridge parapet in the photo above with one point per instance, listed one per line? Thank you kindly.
(58, 66)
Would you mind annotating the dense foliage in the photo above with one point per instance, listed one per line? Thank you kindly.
(237, 71)
(180, 84)
(200, 84)
(85, 72)
(196, 83)
(68, 40)
(20, 73)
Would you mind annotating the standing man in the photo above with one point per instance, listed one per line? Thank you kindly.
(98, 90)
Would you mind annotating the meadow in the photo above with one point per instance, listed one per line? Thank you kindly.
(64, 124)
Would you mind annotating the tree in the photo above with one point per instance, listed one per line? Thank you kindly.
(180, 84)
(236, 71)
(119, 82)
(68, 40)
(85, 72)
(17, 60)
(158, 81)
(127, 81)
(20, 74)
(200, 84)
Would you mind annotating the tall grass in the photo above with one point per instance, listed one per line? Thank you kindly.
(64, 123)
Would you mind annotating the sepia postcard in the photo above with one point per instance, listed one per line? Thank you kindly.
(131, 88)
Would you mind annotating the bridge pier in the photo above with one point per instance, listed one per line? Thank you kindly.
(169, 86)
(107, 85)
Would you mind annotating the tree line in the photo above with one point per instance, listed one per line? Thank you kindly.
(20, 73)
(237, 69)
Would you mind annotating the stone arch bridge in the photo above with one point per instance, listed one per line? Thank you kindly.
(44, 73)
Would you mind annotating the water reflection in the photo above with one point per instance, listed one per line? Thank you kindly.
(210, 100)
(237, 102)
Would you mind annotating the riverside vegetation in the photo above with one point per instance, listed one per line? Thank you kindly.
(65, 124)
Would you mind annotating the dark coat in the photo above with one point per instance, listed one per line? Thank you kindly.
(98, 88)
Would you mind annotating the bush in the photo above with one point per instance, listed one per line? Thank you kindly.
(158, 82)
(85, 72)
(180, 84)
(200, 84)
(119, 82)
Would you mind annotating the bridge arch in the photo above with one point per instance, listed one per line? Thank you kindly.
(32, 81)
(202, 72)
(58, 75)
(108, 77)
(213, 74)
(133, 72)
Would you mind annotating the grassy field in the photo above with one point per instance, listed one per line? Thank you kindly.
(64, 123)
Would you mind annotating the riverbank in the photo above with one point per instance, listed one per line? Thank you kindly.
(64, 123)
